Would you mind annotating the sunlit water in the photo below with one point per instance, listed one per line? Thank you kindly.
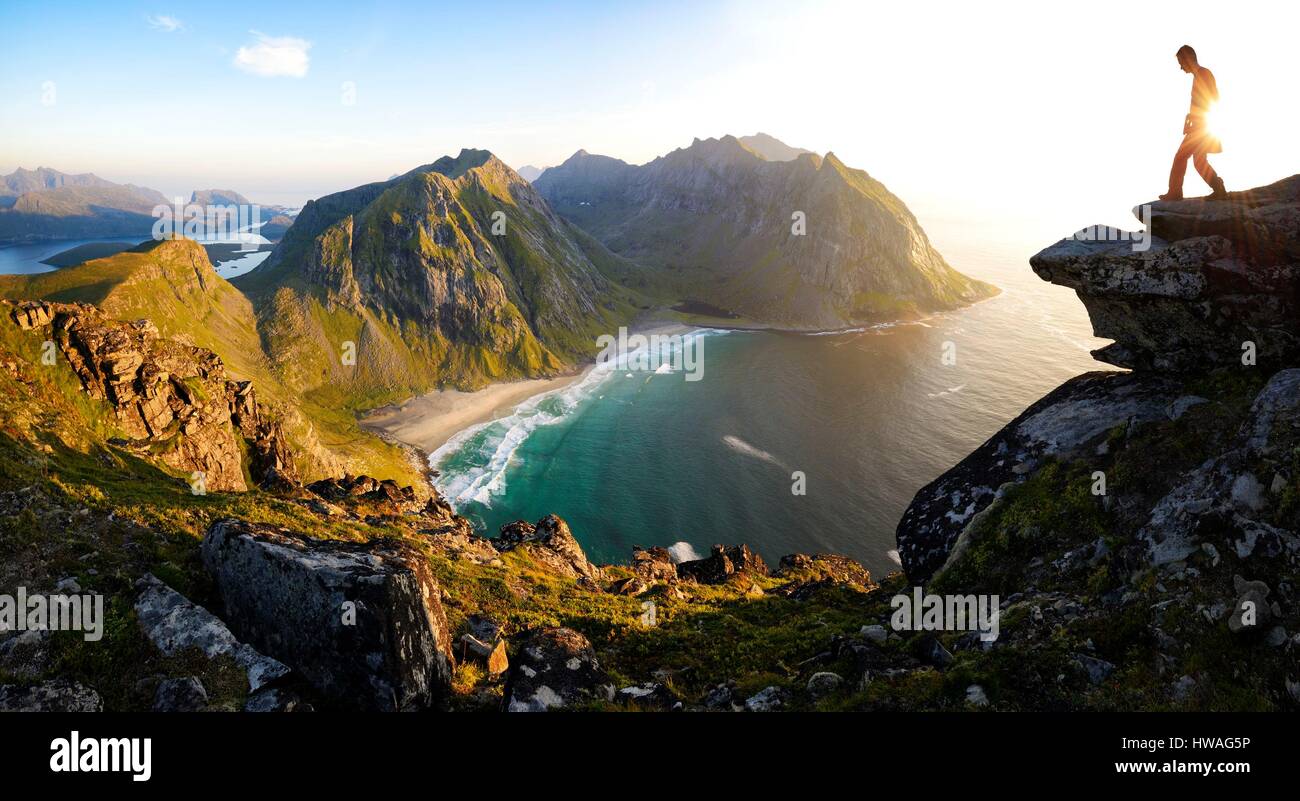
(869, 417)
(28, 258)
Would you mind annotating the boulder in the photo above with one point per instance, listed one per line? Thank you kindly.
(555, 668)
(722, 563)
(769, 699)
(1252, 612)
(632, 585)
(653, 564)
(56, 695)
(551, 545)
(175, 625)
(824, 683)
(492, 653)
(362, 623)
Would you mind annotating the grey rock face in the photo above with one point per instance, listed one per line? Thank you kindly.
(57, 695)
(180, 695)
(174, 625)
(1073, 418)
(1218, 275)
(363, 624)
(554, 669)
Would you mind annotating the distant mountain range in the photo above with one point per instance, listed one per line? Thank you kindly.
(46, 204)
(461, 272)
(774, 234)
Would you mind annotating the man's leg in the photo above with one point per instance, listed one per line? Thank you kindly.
(1201, 161)
(1179, 169)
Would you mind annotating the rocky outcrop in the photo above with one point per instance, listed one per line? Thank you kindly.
(723, 563)
(1225, 501)
(654, 564)
(1219, 283)
(556, 668)
(174, 401)
(824, 568)
(362, 623)
(551, 544)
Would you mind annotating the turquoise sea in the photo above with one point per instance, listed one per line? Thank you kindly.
(868, 416)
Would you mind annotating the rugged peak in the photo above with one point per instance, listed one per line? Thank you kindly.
(725, 150)
(1210, 284)
(771, 148)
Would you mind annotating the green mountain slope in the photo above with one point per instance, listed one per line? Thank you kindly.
(172, 284)
(456, 273)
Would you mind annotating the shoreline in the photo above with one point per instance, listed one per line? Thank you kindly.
(426, 422)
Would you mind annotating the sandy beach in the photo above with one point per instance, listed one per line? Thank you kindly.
(428, 421)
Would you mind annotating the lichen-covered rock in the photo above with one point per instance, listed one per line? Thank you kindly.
(1074, 418)
(1222, 499)
(555, 668)
(1220, 280)
(362, 623)
(175, 625)
(56, 695)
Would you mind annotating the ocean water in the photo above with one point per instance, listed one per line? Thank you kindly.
(27, 258)
(868, 416)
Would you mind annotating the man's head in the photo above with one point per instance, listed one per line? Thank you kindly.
(1186, 58)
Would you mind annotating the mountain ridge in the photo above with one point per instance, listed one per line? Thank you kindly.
(807, 243)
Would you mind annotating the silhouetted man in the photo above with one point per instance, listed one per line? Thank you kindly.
(1198, 141)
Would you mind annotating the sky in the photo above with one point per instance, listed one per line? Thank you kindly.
(1042, 116)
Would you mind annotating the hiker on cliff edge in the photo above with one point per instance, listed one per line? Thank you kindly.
(1198, 140)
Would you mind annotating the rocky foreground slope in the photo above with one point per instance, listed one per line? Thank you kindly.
(1139, 532)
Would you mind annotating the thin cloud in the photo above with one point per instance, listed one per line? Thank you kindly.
(164, 23)
(272, 56)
